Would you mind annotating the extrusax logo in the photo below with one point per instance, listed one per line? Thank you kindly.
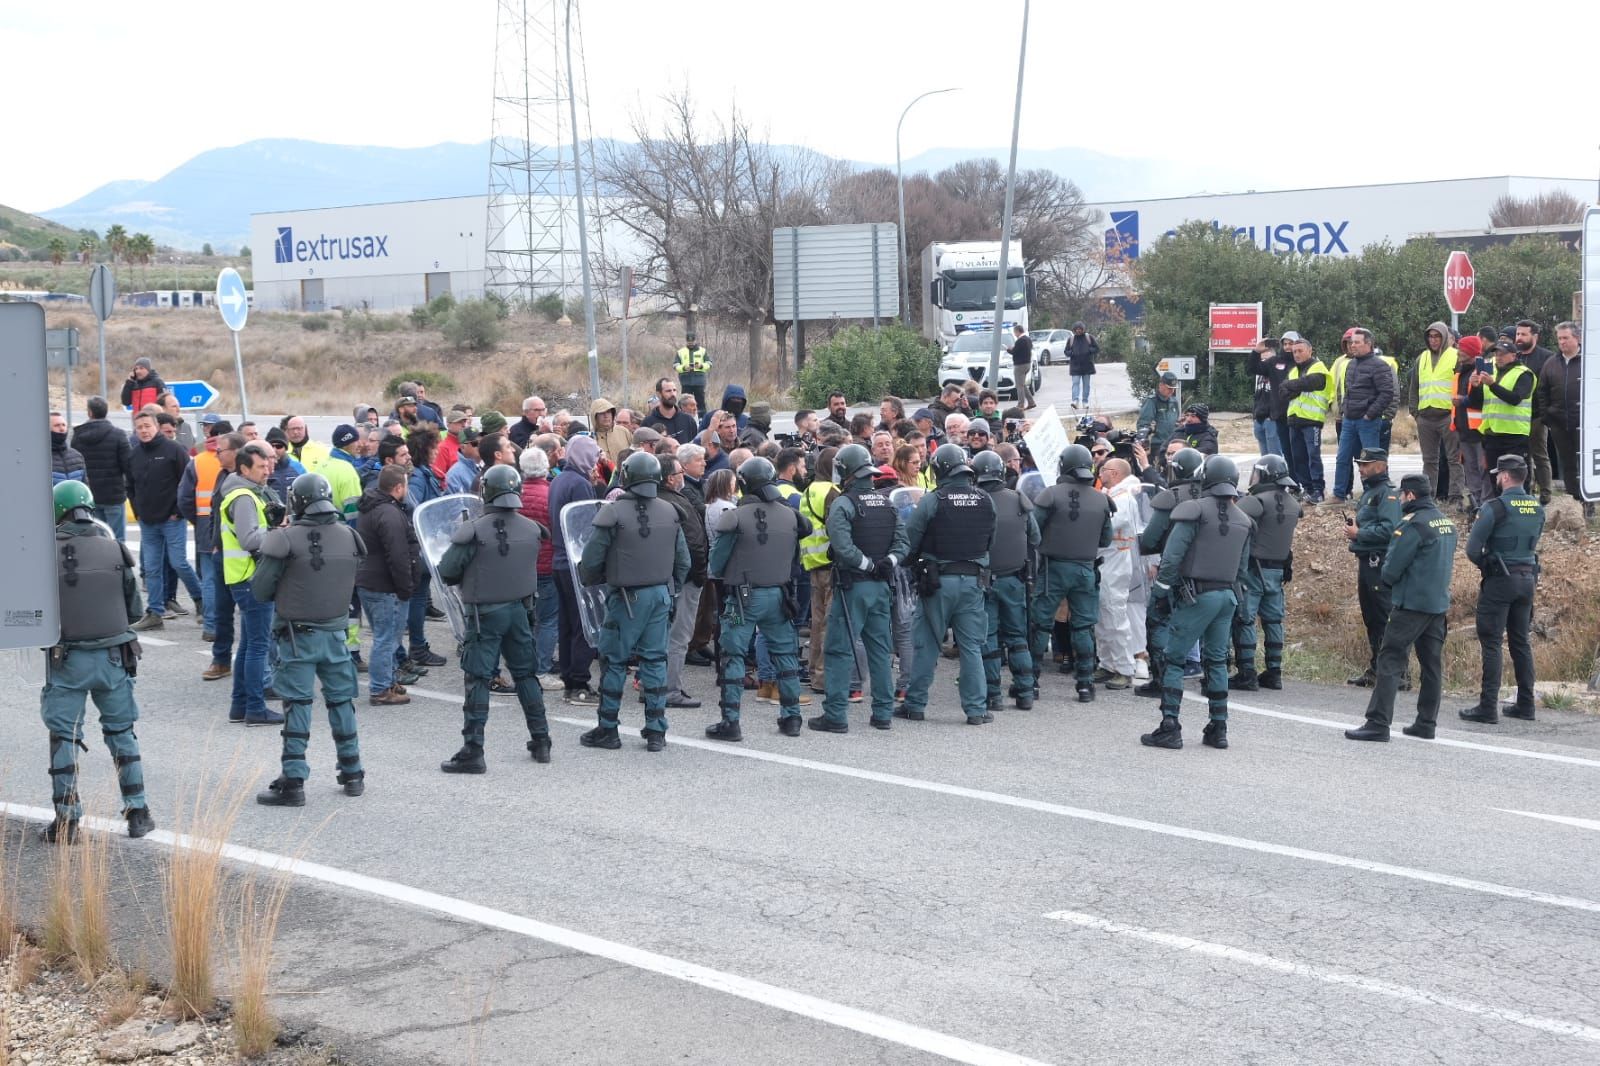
(325, 249)
(1122, 238)
(283, 247)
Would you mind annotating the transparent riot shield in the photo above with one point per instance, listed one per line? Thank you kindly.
(435, 522)
(905, 499)
(1031, 484)
(903, 585)
(577, 526)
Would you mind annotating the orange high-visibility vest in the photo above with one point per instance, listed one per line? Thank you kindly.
(207, 469)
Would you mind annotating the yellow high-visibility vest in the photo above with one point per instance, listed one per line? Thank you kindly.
(693, 361)
(814, 505)
(1436, 380)
(1507, 419)
(237, 564)
(1311, 406)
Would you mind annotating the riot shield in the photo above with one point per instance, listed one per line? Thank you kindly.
(1031, 484)
(435, 522)
(577, 525)
(905, 499)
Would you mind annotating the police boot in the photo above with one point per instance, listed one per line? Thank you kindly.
(139, 822)
(1244, 681)
(354, 784)
(1420, 730)
(601, 737)
(908, 714)
(1375, 731)
(284, 792)
(980, 719)
(994, 702)
(1477, 714)
(1510, 710)
(789, 726)
(1024, 701)
(1085, 692)
(654, 739)
(1215, 735)
(728, 731)
(60, 831)
(823, 724)
(469, 760)
(1271, 678)
(1151, 688)
(539, 748)
(1169, 734)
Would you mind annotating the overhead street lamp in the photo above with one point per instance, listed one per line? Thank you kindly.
(900, 183)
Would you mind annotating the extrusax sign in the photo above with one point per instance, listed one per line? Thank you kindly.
(323, 248)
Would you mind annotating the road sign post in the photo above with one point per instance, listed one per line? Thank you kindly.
(61, 350)
(1460, 286)
(192, 395)
(30, 606)
(234, 303)
(102, 295)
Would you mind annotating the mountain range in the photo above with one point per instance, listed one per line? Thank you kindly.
(210, 198)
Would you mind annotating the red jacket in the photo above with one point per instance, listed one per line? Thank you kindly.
(446, 454)
(536, 505)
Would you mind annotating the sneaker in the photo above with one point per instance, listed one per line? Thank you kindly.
(176, 608)
(1118, 682)
(428, 657)
(151, 620)
(855, 695)
(216, 671)
(583, 697)
(551, 682)
(269, 718)
(683, 702)
(139, 822)
(498, 684)
(434, 613)
(411, 677)
(1141, 670)
(389, 698)
(415, 669)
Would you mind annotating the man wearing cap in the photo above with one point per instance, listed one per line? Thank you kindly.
(1158, 415)
(463, 473)
(1417, 571)
(456, 423)
(1269, 362)
(693, 366)
(1507, 405)
(491, 422)
(1367, 394)
(977, 436)
(1504, 546)
(1308, 389)
(1430, 387)
(1197, 432)
(144, 385)
(1370, 531)
(405, 409)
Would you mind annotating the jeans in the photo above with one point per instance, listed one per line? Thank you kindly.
(1266, 431)
(576, 654)
(162, 544)
(417, 615)
(1305, 462)
(250, 661)
(549, 608)
(383, 611)
(1354, 435)
(219, 608)
(1080, 388)
(678, 636)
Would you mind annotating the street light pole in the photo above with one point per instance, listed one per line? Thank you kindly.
(900, 184)
(1005, 224)
(583, 227)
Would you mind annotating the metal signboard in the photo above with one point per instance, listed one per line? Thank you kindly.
(1589, 436)
(61, 348)
(1236, 327)
(192, 395)
(1460, 283)
(823, 272)
(1046, 441)
(234, 304)
(102, 291)
(30, 607)
(1182, 368)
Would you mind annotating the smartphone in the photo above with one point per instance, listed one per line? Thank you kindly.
(1481, 365)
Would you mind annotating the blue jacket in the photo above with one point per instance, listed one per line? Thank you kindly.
(569, 487)
(729, 394)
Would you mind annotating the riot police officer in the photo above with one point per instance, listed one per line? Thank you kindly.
(758, 545)
(948, 537)
(97, 656)
(1416, 570)
(308, 569)
(1273, 508)
(1207, 554)
(1011, 559)
(1504, 545)
(639, 553)
(493, 559)
(1184, 467)
(865, 540)
(1074, 521)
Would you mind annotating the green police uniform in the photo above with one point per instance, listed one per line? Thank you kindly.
(863, 529)
(1275, 513)
(1016, 541)
(1504, 545)
(99, 602)
(1185, 485)
(1074, 521)
(1160, 417)
(1377, 514)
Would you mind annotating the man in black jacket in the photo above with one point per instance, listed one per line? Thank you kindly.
(1196, 430)
(155, 468)
(104, 448)
(1270, 362)
(1534, 357)
(386, 578)
(692, 520)
(1558, 395)
(1370, 393)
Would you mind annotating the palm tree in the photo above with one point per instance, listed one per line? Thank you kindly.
(88, 244)
(141, 249)
(117, 242)
(58, 252)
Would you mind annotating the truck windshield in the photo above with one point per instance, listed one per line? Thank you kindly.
(973, 290)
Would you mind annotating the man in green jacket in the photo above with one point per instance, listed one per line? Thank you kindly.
(1158, 415)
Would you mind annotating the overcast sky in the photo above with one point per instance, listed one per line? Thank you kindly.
(1260, 94)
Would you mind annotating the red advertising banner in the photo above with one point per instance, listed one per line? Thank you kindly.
(1236, 327)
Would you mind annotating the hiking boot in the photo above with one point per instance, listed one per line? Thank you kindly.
(823, 724)
(697, 657)
(789, 725)
(1473, 714)
(1085, 693)
(1169, 734)
(539, 748)
(176, 608)
(60, 831)
(434, 613)
(354, 784)
(728, 731)
(654, 739)
(601, 737)
(583, 697)
(1244, 681)
(1271, 678)
(1370, 731)
(908, 714)
(284, 792)
(1419, 730)
(215, 672)
(980, 719)
(139, 822)
(469, 760)
(768, 692)
(1215, 735)
(1118, 682)
(1510, 710)
(412, 667)
(402, 678)
(267, 718)
(151, 620)
(1102, 675)
(389, 698)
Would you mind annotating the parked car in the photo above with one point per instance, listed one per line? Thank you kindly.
(968, 360)
(1048, 344)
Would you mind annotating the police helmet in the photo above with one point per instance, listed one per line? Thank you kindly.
(1076, 463)
(1271, 470)
(502, 487)
(311, 494)
(1221, 476)
(641, 474)
(72, 496)
(851, 462)
(1186, 465)
(757, 477)
(988, 468)
(950, 460)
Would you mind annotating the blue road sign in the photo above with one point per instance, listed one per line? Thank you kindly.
(192, 395)
(231, 299)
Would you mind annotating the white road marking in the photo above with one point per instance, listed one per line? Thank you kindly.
(156, 642)
(1354, 981)
(1002, 799)
(1439, 741)
(1580, 823)
(876, 1026)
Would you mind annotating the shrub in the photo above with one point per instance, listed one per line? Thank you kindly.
(865, 364)
(474, 324)
(502, 306)
(386, 323)
(1116, 343)
(419, 318)
(549, 305)
(356, 325)
(315, 323)
(439, 308)
(432, 380)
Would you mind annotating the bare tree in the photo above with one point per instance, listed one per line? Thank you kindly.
(1554, 208)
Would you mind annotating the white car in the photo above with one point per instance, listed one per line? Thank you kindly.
(1049, 345)
(968, 360)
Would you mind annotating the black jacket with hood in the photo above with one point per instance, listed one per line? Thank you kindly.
(393, 559)
(734, 402)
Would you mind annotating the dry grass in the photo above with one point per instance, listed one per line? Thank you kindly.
(60, 912)
(27, 963)
(91, 941)
(8, 883)
(124, 996)
(255, 1029)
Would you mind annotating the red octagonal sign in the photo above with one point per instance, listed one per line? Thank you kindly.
(1460, 283)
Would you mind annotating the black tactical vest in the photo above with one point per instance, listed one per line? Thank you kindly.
(962, 527)
(874, 525)
(1219, 542)
(1009, 552)
(1072, 532)
(320, 572)
(505, 568)
(764, 551)
(1519, 521)
(1275, 513)
(89, 573)
(645, 534)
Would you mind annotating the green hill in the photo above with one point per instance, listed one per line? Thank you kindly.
(30, 231)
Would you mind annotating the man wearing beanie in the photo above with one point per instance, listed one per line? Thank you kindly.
(1417, 570)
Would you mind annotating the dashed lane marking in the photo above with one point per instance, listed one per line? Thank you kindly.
(1561, 819)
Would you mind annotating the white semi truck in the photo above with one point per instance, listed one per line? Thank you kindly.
(958, 286)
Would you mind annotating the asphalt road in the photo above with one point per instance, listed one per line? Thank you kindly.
(1039, 889)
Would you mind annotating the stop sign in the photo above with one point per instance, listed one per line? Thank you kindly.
(1460, 283)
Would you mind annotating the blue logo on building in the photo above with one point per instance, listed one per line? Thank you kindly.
(283, 247)
(326, 249)
(1122, 239)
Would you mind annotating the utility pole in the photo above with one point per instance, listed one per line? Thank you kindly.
(1005, 224)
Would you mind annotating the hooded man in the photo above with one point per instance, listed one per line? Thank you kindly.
(612, 438)
(733, 402)
(574, 484)
(1430, 391)
(1196, 430)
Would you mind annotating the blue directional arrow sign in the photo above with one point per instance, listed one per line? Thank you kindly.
(192, 395)
(231, 299)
